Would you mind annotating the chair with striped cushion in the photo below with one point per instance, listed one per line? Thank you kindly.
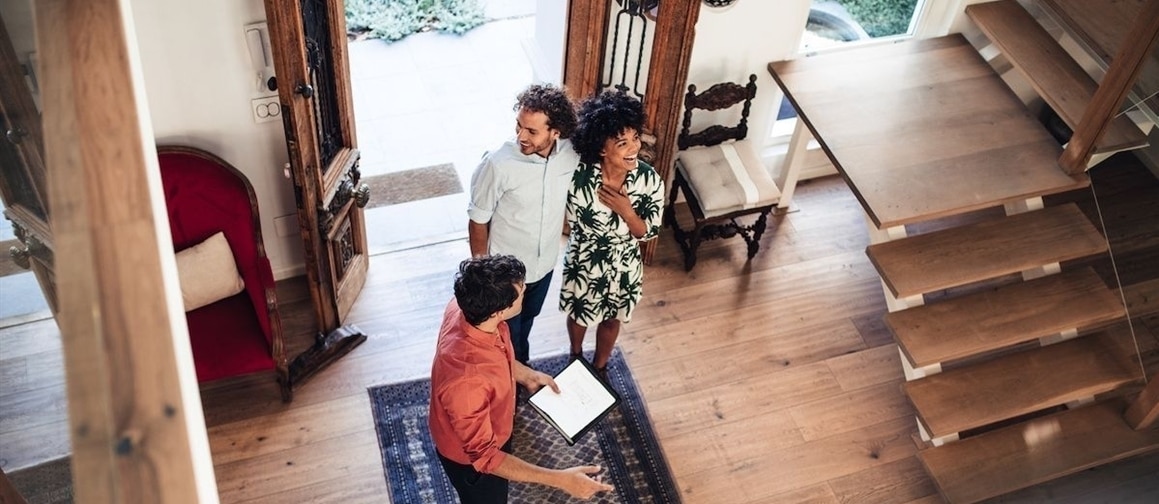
(720, 174)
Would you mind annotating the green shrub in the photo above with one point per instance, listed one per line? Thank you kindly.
(394, 19)
(881, 18)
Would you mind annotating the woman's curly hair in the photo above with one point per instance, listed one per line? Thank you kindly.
(553, 102)
(605, 116)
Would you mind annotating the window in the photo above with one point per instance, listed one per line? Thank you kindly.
(834, 24)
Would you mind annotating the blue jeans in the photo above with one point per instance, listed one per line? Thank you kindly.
(520, 325)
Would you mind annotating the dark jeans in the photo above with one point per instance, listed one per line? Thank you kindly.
(520, 325)
(473, 486)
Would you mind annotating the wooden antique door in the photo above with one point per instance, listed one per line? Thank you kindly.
(23, 185)
(308, 39)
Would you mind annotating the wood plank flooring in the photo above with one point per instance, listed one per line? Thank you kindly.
(768, 382)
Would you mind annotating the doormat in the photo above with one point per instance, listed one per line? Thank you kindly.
(47, 483)
(623, 444)
(412, 185)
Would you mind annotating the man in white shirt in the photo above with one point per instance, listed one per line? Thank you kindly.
(518, 194)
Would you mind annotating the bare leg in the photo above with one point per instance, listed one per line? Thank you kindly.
(575, 334)
(606, 334)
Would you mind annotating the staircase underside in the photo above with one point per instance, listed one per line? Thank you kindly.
(923, 129)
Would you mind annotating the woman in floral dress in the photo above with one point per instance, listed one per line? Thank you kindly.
(615, 202)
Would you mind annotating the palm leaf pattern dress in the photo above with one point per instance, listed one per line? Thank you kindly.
(603, 273)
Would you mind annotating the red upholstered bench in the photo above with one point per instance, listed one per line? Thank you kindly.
(241, 333)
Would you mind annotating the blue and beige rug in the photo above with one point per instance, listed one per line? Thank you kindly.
(623, 444)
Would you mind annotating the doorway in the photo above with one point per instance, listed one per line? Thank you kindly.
(428, 106)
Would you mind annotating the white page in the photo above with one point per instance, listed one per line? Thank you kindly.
(580, 400)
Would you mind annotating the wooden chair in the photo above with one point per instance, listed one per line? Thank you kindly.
(720, 174)
(241, 333)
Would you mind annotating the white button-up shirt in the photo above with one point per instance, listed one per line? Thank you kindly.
(523, 197)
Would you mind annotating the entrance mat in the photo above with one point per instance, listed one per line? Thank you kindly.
(413, 185)
(47, 483)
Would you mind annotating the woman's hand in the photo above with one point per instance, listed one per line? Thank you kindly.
(616, 200)
(620, 204)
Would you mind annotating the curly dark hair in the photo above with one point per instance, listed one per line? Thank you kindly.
(553, 102)
(486, 285)
(605, 116)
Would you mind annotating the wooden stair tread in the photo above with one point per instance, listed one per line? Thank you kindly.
(963, 255)
(1057, 78)
(1100, 27)
(1026, 454)
(1017, 384)
(1003, 317)
(869, 108)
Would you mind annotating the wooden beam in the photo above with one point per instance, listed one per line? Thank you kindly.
(667, 77)
(137, 430)
(587, 38)
(1121, 75)
(1144, 411)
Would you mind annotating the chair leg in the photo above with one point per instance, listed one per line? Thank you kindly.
(693, 244)
(285, 385)
(758, 231)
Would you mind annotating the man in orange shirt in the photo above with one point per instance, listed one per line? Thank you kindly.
(473, 379)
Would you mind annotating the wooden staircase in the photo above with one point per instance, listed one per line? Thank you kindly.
(1019, 367)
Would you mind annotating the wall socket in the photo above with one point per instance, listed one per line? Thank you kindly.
(266, 109)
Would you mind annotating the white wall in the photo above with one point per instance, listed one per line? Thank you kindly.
(739, 40)
(199, 85)
(547, 47)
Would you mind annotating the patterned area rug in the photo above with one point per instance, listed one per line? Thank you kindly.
(412, 185)
(623, 444)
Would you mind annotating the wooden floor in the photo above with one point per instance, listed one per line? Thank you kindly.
(768, 382)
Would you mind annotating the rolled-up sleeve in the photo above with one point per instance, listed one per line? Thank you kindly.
(468, 406)
(485, 192)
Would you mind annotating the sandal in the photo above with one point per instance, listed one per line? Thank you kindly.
(602, 374)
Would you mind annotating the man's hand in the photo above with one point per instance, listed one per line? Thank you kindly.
(578, 482)
(533, 380)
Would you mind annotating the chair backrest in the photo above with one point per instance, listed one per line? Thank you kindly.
(717, 97)
(204, 194)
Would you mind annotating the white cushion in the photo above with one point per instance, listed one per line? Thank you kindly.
(207, 272)
(727, 177)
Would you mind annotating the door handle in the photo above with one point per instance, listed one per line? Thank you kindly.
(362, 196)
(16, 135)
(19, 256)
(305, 90)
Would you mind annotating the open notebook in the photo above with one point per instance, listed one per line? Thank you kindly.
(581, 402)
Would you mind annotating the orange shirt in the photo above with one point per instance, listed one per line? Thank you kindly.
(472, 407)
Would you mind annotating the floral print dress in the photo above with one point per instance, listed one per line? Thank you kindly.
(603, 273)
